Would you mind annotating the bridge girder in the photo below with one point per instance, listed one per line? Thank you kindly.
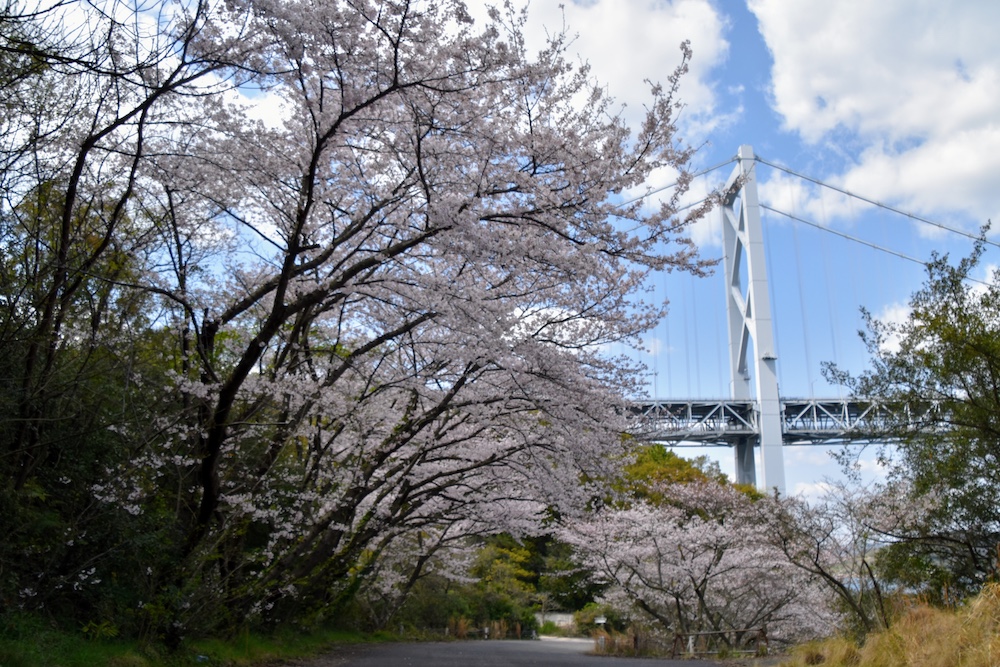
(728, 422)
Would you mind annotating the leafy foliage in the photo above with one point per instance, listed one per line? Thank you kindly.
(943, 365)
(652, 467)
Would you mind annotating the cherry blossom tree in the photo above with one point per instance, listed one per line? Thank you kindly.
(440, 262)
(851, 538)
(384, 310)
(700, 562)
(407, 560)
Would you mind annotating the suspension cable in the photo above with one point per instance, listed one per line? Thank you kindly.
(696, 174)
(874, 202)
(859, 240)
(844, 235)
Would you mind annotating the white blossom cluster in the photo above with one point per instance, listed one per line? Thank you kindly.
(703, 561)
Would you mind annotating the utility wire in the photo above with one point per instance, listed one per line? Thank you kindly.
(873, 202)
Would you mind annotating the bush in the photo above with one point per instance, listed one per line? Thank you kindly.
(586, 619)
(551, 629)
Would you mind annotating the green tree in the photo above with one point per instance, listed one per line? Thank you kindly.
(564, 581)
(505, 586)
(654, 467)
(76, 117)
(65, 396)
(939, 372)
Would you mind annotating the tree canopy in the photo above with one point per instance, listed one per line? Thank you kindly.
(943, 365)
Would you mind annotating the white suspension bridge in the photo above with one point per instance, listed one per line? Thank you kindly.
(755, 420)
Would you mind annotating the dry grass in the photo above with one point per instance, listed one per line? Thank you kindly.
(835, 651)
(922, 637)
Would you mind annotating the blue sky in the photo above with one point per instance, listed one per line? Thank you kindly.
(898, 101)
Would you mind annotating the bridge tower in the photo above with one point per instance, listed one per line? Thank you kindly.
(751, 332)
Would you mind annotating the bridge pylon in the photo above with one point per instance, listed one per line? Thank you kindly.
(751, 330)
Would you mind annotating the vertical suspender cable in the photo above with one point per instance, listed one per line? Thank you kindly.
(667, 349)
(717, 345)
(829, 284)
(855, 272)
(687, 346)
(697, 350)
(654, 353)
(802, 302)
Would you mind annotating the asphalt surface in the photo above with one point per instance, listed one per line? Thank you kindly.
(545, 652)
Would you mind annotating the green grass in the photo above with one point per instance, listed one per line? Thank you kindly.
(550, 629)
(31, 642)
(253, 649)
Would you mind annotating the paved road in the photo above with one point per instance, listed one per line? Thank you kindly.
(543, 653)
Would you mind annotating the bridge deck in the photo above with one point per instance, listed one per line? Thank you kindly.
(804, 421)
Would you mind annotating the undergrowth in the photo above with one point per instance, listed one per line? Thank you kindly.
(30, 641)
(922, 637)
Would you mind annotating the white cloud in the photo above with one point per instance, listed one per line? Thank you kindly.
(811, 491)
(872, 469)
(898, 68)
(796, 197)
(914, 85)
(266, 107)
(946, 173)
(787, 193)
(807, 457)
(815, 487)
(629, 41)
(654, 346)
(893, 314)
(988, 273)
(706, 232)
